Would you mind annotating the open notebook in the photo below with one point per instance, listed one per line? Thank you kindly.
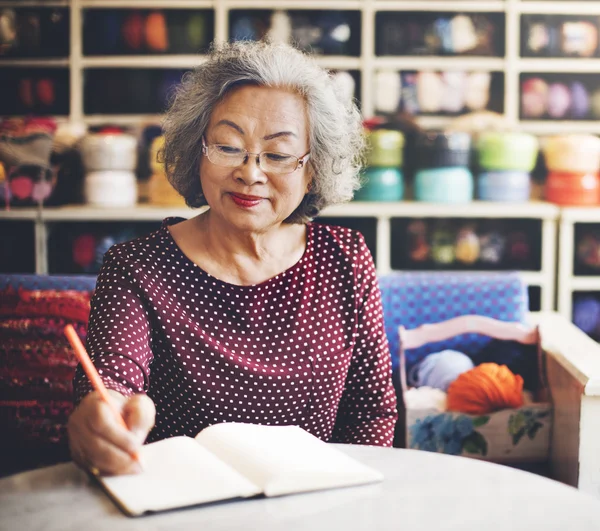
(233, 460)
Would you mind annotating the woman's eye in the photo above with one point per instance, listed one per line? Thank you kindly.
(228, 150)
(278, 157)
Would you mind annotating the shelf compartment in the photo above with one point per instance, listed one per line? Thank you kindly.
(319, 31)
(41, 91)
(128, 91)
(430, 92)
(553, 96)
(443, 34)
(17, 234)
(462, 244)
(559, 35)
(139, 32)
(79, 248)
(40, 31)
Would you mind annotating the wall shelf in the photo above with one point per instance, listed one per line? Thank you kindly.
(382, 213)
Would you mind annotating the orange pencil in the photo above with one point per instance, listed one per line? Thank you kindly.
(92, 374)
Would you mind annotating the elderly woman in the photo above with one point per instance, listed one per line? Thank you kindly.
(247, 312)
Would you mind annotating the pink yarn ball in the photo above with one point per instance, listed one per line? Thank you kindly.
(534, 94)
(559, 100)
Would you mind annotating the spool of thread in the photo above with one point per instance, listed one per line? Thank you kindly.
(101, 151)
(388, 91)
(559, 100)
(385, 148)
(196, 31)
(467, 246)
(440, 369)
(477, 92)
(580, 100)
(381, 184)
(534, 97)
(484, 389)
(453, 96)
(84, 252)
(430, 88)
(132, 30)
(157, 34)
(113, 188)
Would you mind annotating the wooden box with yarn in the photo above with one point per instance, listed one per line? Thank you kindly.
(457, 405)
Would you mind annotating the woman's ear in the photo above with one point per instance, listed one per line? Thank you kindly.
(309, 186)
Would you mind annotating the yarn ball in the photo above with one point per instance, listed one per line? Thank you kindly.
(440, 369)
(196, 31)
(520, 359)
(132, 30)
(580, 100)
(484, 389)
(157, 34)
(559, 100)
(534, 97)
(425, 398)
(46, 93)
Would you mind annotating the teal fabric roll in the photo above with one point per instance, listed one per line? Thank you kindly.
(381, 184)
(444, 185)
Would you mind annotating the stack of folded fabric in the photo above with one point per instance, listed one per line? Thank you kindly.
(25, 148)
(36, 371)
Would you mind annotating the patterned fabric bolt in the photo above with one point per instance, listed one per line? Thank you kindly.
(413, 299)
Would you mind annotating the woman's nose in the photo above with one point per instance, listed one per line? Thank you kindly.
(249, 171)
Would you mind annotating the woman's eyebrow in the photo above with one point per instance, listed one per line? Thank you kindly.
(281, 133)
(231, 124)
(235, 126)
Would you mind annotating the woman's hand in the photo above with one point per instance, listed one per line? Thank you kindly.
(97, 438)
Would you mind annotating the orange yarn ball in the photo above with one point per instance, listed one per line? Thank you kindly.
(484, 389)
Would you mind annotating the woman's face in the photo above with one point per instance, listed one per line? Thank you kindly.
(256, 119)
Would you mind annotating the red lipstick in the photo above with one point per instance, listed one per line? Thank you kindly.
(246, 201)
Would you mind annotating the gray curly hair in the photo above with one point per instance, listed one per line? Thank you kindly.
(335, 131)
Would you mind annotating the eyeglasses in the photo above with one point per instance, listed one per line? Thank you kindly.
(267, 161)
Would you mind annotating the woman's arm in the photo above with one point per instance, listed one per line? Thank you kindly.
(367, 412)
(119, 333)
(118, 342)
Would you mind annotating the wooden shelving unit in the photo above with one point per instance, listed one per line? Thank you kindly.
(367, 64)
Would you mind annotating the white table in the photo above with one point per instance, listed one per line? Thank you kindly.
(422, 491)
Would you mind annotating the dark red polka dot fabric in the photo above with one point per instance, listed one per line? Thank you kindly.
(306, 347)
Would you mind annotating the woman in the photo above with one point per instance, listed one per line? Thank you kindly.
(247, 312)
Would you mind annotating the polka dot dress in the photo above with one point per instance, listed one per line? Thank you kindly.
(306, 347)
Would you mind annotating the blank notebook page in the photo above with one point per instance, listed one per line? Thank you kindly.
(284, 459)
(177, 472)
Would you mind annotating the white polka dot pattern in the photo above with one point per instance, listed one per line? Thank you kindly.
(306, 347)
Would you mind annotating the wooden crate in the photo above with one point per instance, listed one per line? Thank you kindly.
(505, 436)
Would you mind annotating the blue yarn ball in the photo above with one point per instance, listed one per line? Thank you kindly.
(440, 369)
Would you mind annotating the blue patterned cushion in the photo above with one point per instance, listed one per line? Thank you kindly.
(48, 282)
(413, 299)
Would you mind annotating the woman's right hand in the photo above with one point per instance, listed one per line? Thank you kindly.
(98, 440)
